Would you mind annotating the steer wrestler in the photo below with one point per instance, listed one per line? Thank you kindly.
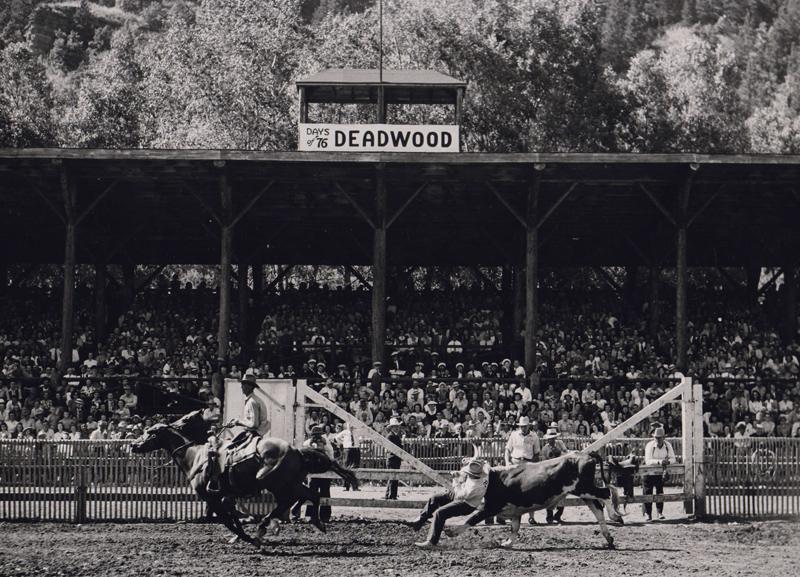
(469, 487)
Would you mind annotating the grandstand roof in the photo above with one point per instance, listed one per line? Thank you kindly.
(347, 86)
(149, 206)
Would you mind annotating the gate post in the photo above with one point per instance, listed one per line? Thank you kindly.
(698, 449)
(688, 424)
(80, 494)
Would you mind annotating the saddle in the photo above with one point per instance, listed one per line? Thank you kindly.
(225, 459)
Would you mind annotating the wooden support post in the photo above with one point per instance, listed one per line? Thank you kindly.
(68, 302)
(100, 305)
(226, 253)
(303, 105)
(532, 270)
(681, 321)
(70, 243)
(789, 291)
(698, 448)
(753, 278)
(519, 303)
(379, 268)
(655, 287)
(244, 294)
(629, 287)
(687, 422)
(381, 105)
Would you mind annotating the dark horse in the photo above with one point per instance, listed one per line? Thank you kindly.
(185, 440)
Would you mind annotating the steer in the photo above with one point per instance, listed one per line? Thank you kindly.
(527, 487)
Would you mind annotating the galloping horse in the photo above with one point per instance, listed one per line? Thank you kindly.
(185, 440)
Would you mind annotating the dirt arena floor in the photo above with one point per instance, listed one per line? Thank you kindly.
(378, 542)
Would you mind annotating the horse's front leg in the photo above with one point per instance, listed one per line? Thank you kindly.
(225, 511)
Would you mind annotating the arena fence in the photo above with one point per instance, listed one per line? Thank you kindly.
(83, 481)
(753, 477)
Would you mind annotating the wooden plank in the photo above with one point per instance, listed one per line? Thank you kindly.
(656, 405)
(372, 435)
(380, 475)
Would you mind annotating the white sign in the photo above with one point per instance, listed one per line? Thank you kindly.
(378, 138)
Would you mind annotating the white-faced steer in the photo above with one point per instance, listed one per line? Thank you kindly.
(527, 487)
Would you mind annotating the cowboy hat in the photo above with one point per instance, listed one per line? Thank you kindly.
(524, 421)
(659, 432)
(474, 469)
(317, 430)
(393, 422)
(551, 434)
(250, 379)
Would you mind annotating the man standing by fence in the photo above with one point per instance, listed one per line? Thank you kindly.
(523, 447)
(392, 460)
(657, 452)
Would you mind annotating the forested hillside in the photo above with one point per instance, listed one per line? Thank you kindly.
(715, 76)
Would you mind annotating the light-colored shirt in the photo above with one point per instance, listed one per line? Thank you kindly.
(255, 416)
(522, 446)
(655, 455)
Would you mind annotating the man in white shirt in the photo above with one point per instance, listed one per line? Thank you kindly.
(346, 439)
(523, 446)
(656, 452)
(469, 487)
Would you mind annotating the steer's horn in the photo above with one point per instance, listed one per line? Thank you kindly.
(476, 451)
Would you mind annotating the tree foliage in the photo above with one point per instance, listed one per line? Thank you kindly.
(543, 75)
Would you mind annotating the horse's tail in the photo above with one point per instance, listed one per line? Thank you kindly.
(596, 456)
(318, 462)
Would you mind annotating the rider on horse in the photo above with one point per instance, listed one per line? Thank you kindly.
(255, 423)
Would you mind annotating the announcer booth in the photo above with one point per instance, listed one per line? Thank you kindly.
(379, 89)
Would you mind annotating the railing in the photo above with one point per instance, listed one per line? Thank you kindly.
(752, 477)
(101, 480)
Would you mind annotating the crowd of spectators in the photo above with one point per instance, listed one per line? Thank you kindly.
(449, 370)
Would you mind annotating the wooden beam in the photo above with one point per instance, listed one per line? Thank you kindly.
(558, 202)
(371, 434)
(635, 247)
(658, 205)
(252, 202)
(23, 275)
(97, 200)
(357, 206)
(500, 248)
(656, 405)
(359, 276)
(727, 276)
(706, 204)
(514, 212)
(286, 270)
(273, 234)
(405, 204)
(125, 240)
(149, 278)
(486, 279)
(608, 278)
(773, 279)
(208, 207)
(47, 201)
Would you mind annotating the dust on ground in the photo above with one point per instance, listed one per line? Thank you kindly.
(379, 542)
